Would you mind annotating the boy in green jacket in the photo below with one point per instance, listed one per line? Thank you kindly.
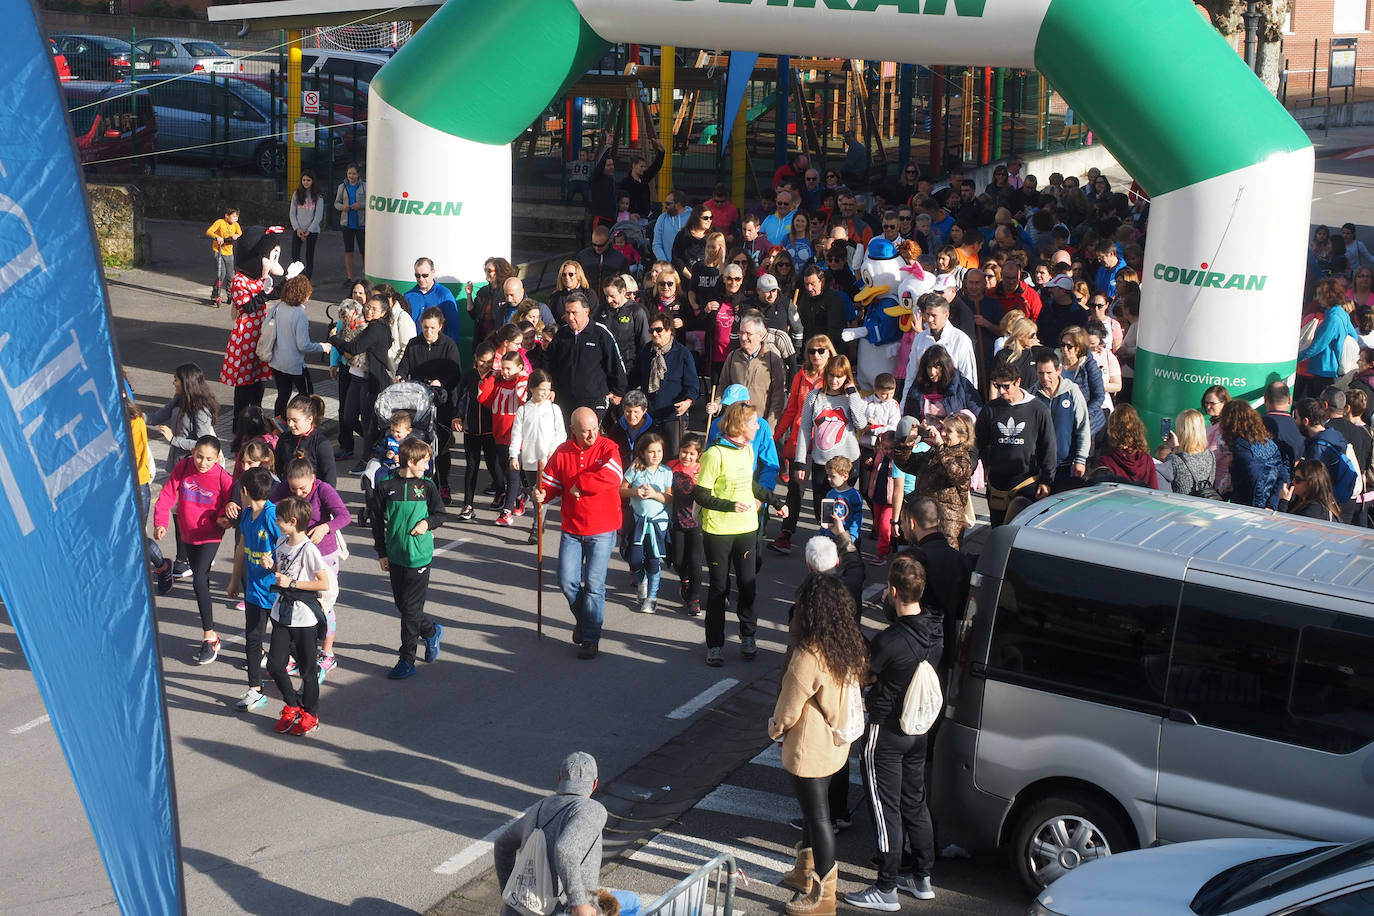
(405, 511)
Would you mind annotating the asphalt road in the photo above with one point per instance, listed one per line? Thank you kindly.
(384, 810)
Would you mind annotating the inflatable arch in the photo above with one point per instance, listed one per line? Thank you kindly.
(1229, 171)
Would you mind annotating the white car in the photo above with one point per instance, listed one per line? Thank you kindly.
(1216, 877)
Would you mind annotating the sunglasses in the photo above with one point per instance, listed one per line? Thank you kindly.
(667, 283)
(814, 350)
(420, 276)
(1001, 386)
(706, 217)
(658, 330)
(734, 279)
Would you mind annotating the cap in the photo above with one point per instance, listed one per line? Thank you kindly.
(734, 394)
(577, 775)
(1062, 281)
(766, 283)
(905, 427)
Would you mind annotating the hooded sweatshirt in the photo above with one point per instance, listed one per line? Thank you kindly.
(1137, 467)
(894, 656)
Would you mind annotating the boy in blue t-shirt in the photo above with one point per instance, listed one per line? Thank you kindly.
(258, 525)
(849, 505)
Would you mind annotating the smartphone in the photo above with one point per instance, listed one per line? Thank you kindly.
(1166, 426)
(827, 510)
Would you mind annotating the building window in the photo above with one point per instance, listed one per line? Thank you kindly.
(1349, 16)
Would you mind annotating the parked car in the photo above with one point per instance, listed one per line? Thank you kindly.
(188, 55)
(115, 129)
(343, 104)
(59, 62)
(1212, 877)
(230, 120)
(1138, 667)
(357, 65)
(98, 57)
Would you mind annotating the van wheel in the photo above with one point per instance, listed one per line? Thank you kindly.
(1057, 834)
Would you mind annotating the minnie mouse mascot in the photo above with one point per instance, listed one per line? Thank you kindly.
(256, 265)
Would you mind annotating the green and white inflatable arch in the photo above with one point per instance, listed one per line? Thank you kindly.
(1228, 169)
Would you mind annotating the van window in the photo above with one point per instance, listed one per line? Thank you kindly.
(354, 69)
(1274, 670)
(1078, 625)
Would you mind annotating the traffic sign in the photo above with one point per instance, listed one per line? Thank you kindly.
(310, 102)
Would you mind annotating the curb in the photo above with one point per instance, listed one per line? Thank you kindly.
(656, 792)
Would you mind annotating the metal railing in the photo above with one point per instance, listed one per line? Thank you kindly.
(708, 891)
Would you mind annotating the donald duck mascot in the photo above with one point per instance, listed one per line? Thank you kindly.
(893, 280)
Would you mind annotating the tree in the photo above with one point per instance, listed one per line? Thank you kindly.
(1227, 16)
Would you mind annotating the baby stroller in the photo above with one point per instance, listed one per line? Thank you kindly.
(419, 400)
(634, 234)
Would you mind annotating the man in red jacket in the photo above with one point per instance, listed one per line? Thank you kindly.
(586, 472)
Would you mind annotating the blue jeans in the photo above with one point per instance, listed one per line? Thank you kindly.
(582, 564)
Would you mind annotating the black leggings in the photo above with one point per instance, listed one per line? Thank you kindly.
(688, 556)
(813, 794)
(300, 643)
(671, 431)
(726, 553)
(794, 500)
(285, 385)
(201, 556)
(245, 396)
(477, 447)
(310, 239)
(254, 628)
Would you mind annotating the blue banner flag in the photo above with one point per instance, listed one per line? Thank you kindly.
(74, 578)
(736, 84)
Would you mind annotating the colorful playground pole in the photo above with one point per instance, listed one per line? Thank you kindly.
(667, 109)
(1225, 164)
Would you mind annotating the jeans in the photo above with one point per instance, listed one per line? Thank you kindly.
(582, 565)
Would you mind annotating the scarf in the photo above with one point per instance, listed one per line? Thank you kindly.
(658, 369)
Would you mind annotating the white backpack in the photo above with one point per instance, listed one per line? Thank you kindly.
(532, 889)
(924, 701)
(852, 729)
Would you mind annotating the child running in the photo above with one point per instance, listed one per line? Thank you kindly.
(406, 509)
(689, 555)
(259, 534)
(304, 438)
(649, 487)
(537, 431)
(200, 489)
(304, 587)
(849, 505)
(503, 392)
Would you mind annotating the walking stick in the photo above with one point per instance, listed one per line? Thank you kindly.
(539, 561)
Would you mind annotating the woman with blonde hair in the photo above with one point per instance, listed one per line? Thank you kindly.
(572, 279)
(1019, 352)
(1192, 464)
(1129, 455)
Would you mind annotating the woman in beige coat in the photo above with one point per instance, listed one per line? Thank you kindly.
(826, 652)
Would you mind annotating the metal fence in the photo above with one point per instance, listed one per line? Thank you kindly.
(708, 891)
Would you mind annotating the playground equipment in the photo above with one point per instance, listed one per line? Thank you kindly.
(1226, 167)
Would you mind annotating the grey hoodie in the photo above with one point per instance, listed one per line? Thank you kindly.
(572, 827)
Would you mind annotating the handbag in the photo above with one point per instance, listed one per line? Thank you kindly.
(852, 702)
(267, 339)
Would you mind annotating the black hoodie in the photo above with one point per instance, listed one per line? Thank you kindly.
(894, 656)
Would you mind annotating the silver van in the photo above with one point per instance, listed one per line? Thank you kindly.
(1138, 667)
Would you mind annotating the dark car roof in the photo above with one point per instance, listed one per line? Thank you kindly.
(92, 38)
(91, 90)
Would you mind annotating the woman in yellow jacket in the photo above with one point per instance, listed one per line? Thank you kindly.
(826, 656)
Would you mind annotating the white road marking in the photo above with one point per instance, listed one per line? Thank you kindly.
(681, 856)
(28, 726)
(469, 854)
(450, 545)
(772, 757)
(1315, 199)
(738, 801)
(1346, 191)
(688, 709)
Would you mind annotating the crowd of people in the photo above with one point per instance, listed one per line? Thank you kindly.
(676, 389)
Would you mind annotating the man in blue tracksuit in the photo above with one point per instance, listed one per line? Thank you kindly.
(1069, 413)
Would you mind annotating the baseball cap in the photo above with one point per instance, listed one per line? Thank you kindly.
(1062, 281)
(734, 394)
(577, 774)
(905, 427)
(766, 282)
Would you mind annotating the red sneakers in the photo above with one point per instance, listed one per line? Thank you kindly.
(305, 724)
(505, 519)
(289, 717)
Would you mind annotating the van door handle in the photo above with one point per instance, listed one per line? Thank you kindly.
(1182, 716)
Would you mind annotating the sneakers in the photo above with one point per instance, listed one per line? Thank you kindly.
(505, 519)
(871, 898)
(498, 501)
(291, 667)
(181, 570)
(466, 514)
(432, 644)
(403, 670)
(446, 495)
(781, 544)
(748, 648)
(533, 538)
(343, 454)
(714, 657)
(289, 715)
(587, 649)
(252, 698)
(209, 651)
(642, 591)
(918, 887)
(321, 669)
(359, 467)
(692, 608)
(520, 506)
(648, 606)
(879, 561)
(328, 662)
(241, 606)
(307, 724)
(165, 579)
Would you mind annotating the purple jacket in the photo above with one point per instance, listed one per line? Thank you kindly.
(325, 505)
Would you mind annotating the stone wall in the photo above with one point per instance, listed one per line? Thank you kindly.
(204, 199)
(117, 211)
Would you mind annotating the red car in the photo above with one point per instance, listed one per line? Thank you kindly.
(114, 129)
(59, 62)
